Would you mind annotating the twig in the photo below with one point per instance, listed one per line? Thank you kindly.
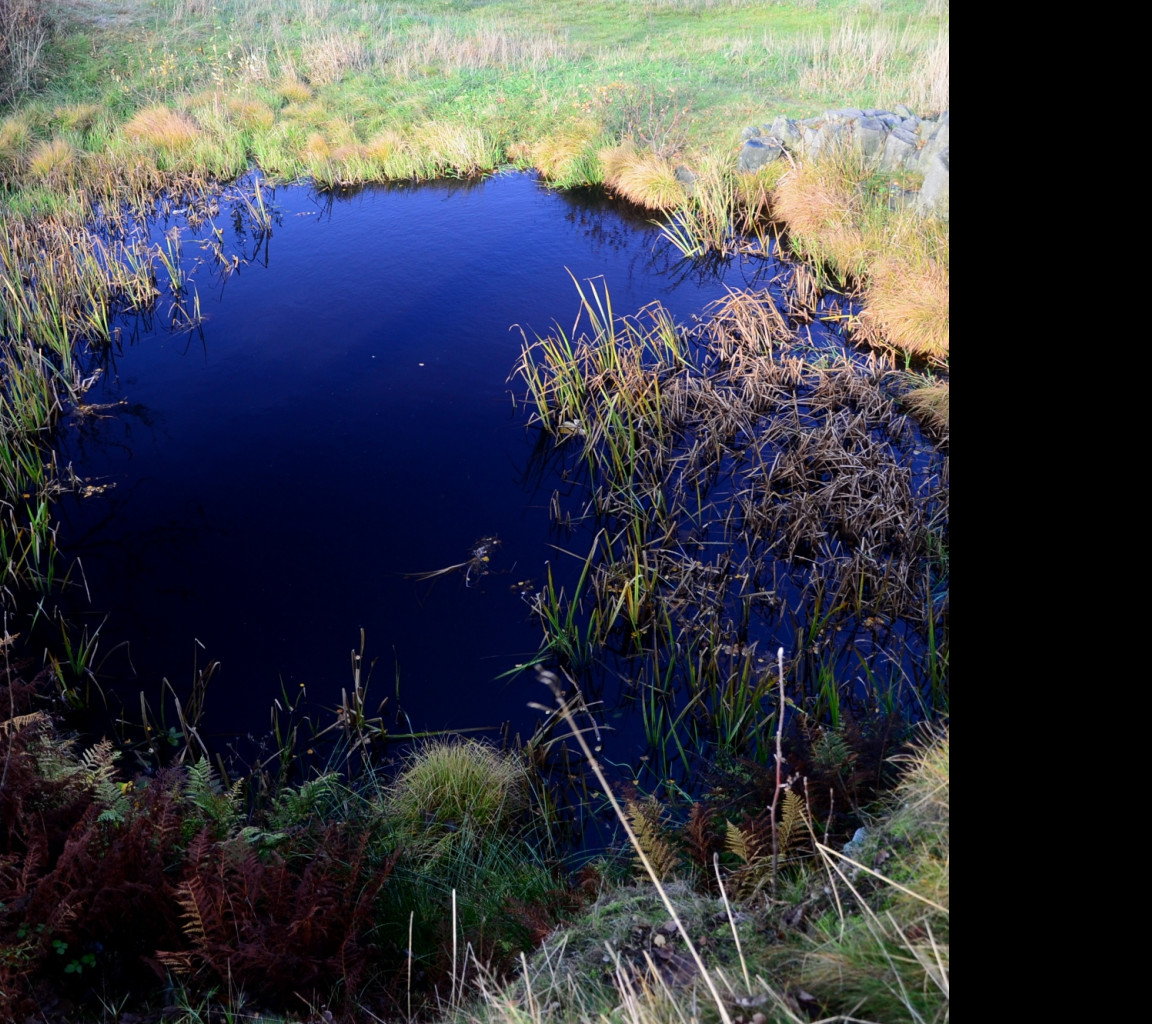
(554, 684)
(779, 761)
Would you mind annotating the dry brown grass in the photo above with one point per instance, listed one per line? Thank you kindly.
(331, 57)
(24, 29)
(907, 304)
(643, 178)
(815, 198)
(163, 129)
(856, 57)
(443, 47)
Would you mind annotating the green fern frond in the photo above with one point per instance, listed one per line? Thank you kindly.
(832, 753)
(98, 769)
(219, 808)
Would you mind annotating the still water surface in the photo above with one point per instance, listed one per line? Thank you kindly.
(343, 418)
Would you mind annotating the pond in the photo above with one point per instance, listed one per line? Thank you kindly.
(316, 432)
(341, 420)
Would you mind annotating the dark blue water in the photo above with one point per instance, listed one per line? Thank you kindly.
(341, 418)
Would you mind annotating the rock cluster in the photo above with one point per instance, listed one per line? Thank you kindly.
(893, 139)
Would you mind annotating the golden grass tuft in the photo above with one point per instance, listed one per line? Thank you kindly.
(815, 198)
(385, 145)
(453, 148)
(557, 154)
(317, 148)
(162, 128)
(250, 115)
(51, 160)
(615, 158)
(929, 404)
(907, 305)
(15, 137)
(329, 58)
(646, 179)
(292, 90)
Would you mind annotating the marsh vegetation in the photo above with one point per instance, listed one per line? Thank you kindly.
(772, 474)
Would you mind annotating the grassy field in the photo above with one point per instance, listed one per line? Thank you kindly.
(112, 110)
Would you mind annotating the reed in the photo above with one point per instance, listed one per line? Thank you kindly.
(807, 501)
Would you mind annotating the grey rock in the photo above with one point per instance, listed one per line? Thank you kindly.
(830, 135)
(895, 140)
(755, 153)
(935, 142)
(901, 150)
(787, 131)
(870, 135)
(934, 191)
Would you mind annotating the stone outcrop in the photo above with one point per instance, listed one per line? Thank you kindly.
(893, 140)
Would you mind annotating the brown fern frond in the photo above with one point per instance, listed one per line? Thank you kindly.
(18, 722)
(792, 825)
(179, 962)
(645, 818)
(699, 837)
(190, 895)
(744, 845)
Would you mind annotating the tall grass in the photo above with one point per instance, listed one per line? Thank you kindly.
(24, 29)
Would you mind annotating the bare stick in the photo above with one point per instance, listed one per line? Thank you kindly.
(779, 762)
(731, 920)
(565, 711)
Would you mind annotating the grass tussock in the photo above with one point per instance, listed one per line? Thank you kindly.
(51, 160)
(15, 138)
(250, 115)
(77, 117)
(569, 155)
(447, 148)
(928, 402)
(163, 129)
(459, 783)
(645, 179)
(907, 304)
(292, 90)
